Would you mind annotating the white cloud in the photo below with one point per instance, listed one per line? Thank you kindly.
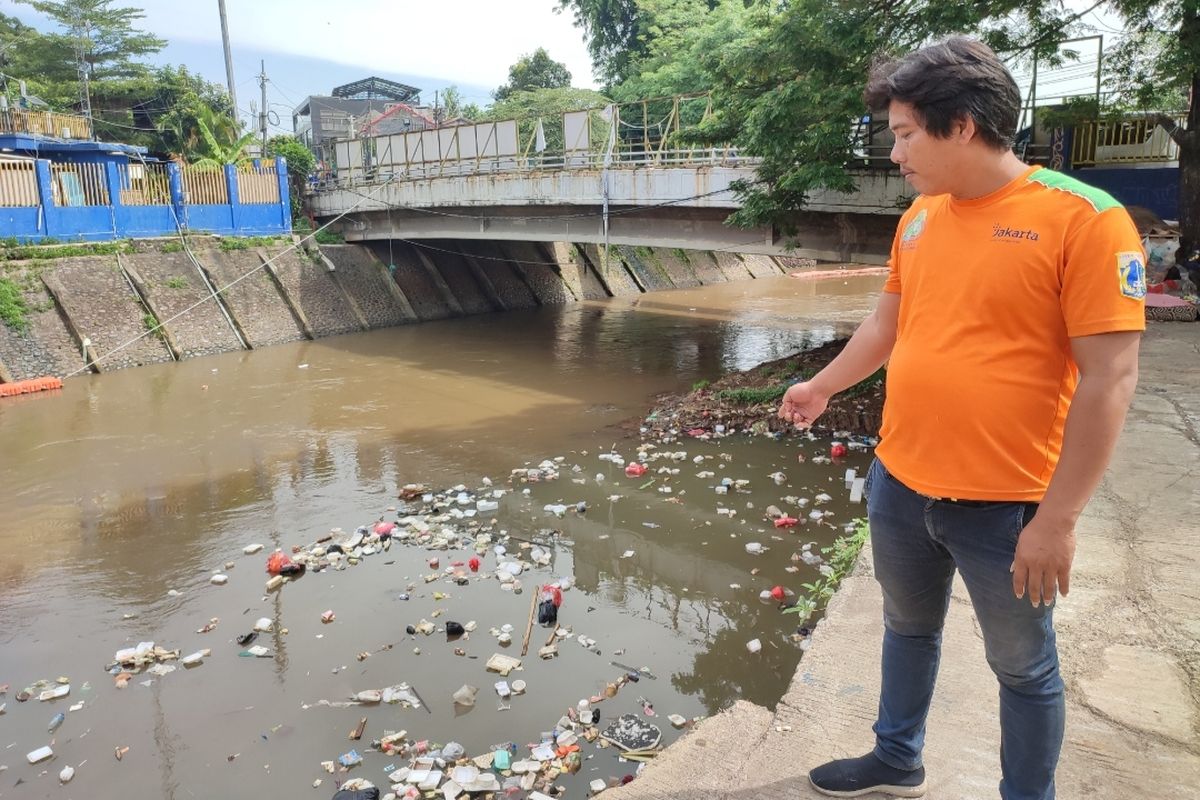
(472, 41)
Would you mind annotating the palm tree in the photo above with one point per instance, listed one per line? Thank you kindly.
(217, 153)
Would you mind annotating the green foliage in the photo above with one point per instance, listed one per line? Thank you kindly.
(840, 557)
(171, 247)
(684, 41)
(45, 252)
(13, 308)
(700, 385)
(617, 34)
(753, 395)
(177, 282)
(327, 236)
(300, 164)
(105, 35)
(534, 71)
(231, 243)
(549, 105)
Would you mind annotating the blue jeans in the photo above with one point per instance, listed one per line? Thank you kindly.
(918, 542)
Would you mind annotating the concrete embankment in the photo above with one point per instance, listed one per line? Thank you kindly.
(82, 308)
(1129, 639)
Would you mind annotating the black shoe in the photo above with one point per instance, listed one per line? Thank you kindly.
(854, 777)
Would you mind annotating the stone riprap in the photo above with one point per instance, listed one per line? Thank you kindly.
(616, 278)
(46, 348)
(460, 279)
(308, 283)
(677, 266)
(704, 265)
(255, 302)
(733, 266)
(536, 264)
(414, 280)
(510, 287)
(645, 268)
(366, 280)
(103, 307)
(761, 266)
(173, 284)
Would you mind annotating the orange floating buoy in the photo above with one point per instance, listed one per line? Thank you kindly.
(30, 386)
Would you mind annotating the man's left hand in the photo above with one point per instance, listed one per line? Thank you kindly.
(1042, 565)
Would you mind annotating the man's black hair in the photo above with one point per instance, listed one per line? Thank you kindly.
(948, 82)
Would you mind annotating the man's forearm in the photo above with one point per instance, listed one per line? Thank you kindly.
(1093, 425)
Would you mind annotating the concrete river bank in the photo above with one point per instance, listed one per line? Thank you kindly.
(122, 495)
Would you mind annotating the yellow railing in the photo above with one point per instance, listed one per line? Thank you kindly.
(79, 185)
(1124, 141)
(204, 187)
(18, 184)
(45, 123)
(258, 185)
(145, 185)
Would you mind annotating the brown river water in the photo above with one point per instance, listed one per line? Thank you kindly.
(122, 494)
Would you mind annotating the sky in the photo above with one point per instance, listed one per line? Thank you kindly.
(310, 46)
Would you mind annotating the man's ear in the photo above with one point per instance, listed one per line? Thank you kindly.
(963, 129)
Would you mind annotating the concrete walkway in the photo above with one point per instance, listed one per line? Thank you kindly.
(1129, 638)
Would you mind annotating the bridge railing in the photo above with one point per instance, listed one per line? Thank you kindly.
(645, 133)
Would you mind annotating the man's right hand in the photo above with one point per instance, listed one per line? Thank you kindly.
(802, 404)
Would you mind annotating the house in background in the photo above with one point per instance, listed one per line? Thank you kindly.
(55, 182)
(321, 119)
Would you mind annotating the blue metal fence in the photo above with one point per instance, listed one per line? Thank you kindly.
(59, 201)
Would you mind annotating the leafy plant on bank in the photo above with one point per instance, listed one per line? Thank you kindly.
(13, 309)
(840, 558)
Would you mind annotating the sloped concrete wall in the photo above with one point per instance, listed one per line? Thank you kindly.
(103, 308)
(311, 293)
(172, 283)
(47, 346)
(615, 277)
(366, 280)
(536, 264)
(510, 286)
(422, 292)
(310, 287)
(255, 302)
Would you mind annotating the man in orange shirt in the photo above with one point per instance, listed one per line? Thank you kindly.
(1010, 320)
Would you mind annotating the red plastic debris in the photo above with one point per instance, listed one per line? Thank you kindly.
(778, 593)
(385, 528)
(474, 564)
(276, 563)
(636, 470)
(838, 450)
(785, 522)
(552, 591)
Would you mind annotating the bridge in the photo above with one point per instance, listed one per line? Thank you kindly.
(617, 175)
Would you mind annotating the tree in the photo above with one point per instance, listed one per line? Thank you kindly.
(684, 40)
(300, 164)
(1156, 67)
(792, 94)
(547, 105)
(616, 34)
(532, 71)
(105, 42)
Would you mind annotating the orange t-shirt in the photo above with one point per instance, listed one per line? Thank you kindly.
(991, 291)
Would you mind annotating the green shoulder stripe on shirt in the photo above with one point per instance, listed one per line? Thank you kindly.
(1099, 199)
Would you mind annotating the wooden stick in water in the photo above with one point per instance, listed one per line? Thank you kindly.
(529, 625)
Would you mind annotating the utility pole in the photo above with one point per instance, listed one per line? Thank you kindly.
(262, 114)
(80, 35)
(228, 60)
